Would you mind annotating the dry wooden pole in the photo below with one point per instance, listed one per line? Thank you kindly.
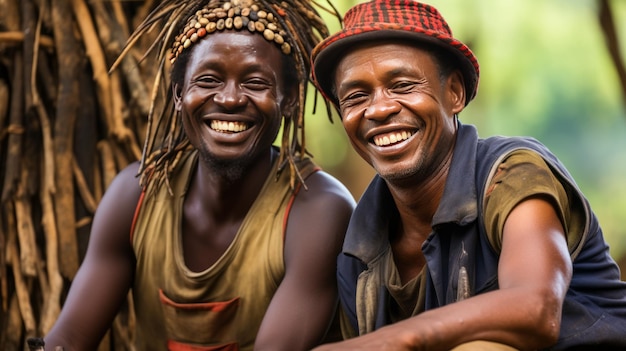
(87, 130)
(4, 104)
(28, 46)
(52, 302)
(18, 38)
(27, 251)
(37, 104)
(107, 159)
(88, 199)
(21, 285)
(67, 107)
(13, 331)
(97, 59)
(113, 35)
(4, 290)
(15, 129)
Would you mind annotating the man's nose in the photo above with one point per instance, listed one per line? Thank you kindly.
(381, 107)
(230, 96)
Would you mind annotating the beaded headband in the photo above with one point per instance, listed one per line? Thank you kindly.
(236, 14)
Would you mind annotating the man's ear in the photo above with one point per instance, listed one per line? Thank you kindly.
(177, 96)
(456, 91)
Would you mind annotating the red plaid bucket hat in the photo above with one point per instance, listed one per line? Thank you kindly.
(391, 19)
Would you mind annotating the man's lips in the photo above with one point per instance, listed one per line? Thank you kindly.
(394, 137)
(228, 126)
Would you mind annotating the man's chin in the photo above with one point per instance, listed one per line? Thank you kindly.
(397, 174)
(232, 170)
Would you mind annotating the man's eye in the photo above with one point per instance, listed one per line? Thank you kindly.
(257, 84)
(352, 99)
(207, 81)
(403, 87)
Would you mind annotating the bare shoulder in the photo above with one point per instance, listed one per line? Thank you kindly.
(115, 212)
(325, 198)
(126, 182)
(321, 211)
(123, 192)
(325, 190)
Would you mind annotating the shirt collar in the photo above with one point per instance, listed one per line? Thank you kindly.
(459, 201)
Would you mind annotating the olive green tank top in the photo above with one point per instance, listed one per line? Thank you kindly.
(222, 307)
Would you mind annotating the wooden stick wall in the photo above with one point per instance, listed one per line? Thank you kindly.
(67, 127)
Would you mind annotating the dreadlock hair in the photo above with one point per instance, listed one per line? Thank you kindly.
(294, 25)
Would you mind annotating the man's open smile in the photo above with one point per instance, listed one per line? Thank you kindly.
(386, 139)
(228, 126)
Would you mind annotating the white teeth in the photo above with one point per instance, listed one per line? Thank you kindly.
(391, 138)
(224, 126)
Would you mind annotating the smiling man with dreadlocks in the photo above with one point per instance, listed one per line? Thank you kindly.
(227, 241)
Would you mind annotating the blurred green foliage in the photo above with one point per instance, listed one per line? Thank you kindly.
(545, 73)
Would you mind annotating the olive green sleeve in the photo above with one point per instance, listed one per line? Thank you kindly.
(521, 175)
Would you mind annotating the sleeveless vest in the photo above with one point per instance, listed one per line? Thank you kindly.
(220, 308)
(594, 311)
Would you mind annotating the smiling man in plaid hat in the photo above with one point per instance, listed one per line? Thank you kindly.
(459, 242)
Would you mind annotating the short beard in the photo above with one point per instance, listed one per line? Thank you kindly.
(404, 175)
(399, 176)
(230, 171)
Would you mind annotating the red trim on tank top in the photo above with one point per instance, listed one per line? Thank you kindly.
(136, 215)
(179, 346)
(217, 306)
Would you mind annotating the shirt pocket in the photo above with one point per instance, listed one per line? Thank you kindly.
(200, 326)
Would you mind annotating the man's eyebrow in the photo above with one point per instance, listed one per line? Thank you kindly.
(349, 84)
(399, 71)
(395, 72)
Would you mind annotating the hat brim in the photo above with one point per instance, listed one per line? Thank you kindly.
(332, 50)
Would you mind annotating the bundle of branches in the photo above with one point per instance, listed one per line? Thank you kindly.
(67, 127)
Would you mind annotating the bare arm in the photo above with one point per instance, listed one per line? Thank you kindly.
(534, 273)
(105, 275)
(303, 306)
